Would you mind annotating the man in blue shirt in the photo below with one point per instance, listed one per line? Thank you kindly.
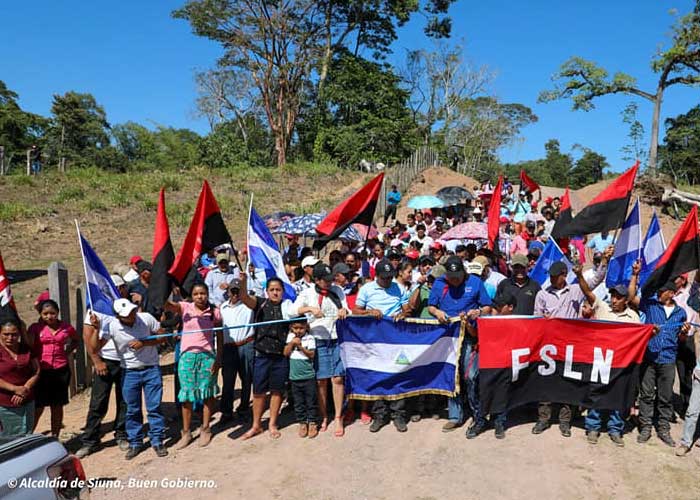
(384, 298)
(458, 294)
(658, 370)
(601, 241)
(392, 201)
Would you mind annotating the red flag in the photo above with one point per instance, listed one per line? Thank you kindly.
(564, 218)
(207, 230)
(606, 211)
(162, 258)
(359, 208)
(8, 310)
(681, 256)
(527, 183)
(494, 213)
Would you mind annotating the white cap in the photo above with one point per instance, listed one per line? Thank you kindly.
(117, 280)
(474, 268)
(309, 261)
(123, 307)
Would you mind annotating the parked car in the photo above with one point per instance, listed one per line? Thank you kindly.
(37, 467)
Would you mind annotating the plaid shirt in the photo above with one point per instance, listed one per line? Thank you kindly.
(662, 347)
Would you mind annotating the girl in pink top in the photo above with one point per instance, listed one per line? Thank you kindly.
(52, 341)
(200, 359)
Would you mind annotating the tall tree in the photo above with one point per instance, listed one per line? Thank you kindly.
(634, 150)
(588, 169)
(18, 128)
(583, 81)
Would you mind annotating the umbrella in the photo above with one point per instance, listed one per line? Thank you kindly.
(362, 229)
(274, 220)
(468, 230)
(305, 225)
(457, 192)
(427, 201)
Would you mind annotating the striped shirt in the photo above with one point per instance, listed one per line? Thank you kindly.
(662, 347)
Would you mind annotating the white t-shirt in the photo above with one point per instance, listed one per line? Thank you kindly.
(109, 350)
(235, 315)
(320, 328)
(144, 326)
(308, 342)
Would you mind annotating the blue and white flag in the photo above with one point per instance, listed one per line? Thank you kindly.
(101, 291)
(264, 253)
(551, 254)
(653, 248)
(387, 359)
(628, 249)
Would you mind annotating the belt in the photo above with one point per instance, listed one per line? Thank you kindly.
(241, 344)
(140, 368)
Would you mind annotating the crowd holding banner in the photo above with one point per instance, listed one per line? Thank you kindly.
(402, 326)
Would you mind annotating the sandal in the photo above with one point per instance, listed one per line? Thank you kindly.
(313, 431)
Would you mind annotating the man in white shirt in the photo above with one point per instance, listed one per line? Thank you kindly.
(218, 279)
(238, 352)
(306, 280)
(138, 355)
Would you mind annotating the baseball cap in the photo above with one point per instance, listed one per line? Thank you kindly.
(135, 259)
(558, 268)
(477, 210)
(505, 299)
(503, 219)
(393, 254)
(221, 257)
(439, 220)
(413, 254)
(117, 280)
(384, 269)
(530, 223)
(669, 285)
(143, 265)
(427, 259)
(235, 284)
(475, 268)
(309, 261)
(619, 289)
(436, 245)
(483, 260)
(519, 260)
(122, 307)
(533, 204)
(548, 200)
(323, 271)
(454, 267)
(341, 268)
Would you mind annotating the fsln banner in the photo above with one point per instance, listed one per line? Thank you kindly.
(385, 359)
(594, 364)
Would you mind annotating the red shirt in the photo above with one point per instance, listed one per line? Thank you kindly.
(15, 372)
(50, 345)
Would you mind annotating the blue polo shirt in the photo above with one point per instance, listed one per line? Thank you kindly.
(662, 347)
(471, 294)
(387, 300)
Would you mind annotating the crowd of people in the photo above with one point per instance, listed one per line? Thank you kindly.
(293, 356)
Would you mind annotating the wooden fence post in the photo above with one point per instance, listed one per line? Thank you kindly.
(82, 364)
(58, 291)
(29, 162)
(2, 160)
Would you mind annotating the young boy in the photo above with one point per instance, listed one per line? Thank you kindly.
(300, 349)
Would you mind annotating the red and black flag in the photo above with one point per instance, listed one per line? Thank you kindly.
(527, 183)
(565, 216)
(8, 310)
(606, 211)
(163, 257)
(681, 256)
(207, 231)
(592, 364)
(494, 213)
(359, 207)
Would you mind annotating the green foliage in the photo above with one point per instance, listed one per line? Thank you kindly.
(588, 169)
(227, 145)
(69, 193)
(14, 210)
(636, 148)
(680, 153)
(18, 129)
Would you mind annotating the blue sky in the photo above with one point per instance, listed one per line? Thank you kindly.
(139, 62)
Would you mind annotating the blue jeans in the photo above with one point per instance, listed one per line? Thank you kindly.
(469, 388)
(615, 423)
(36, 167)
(237, 361)
(149, 382)
(691, 414)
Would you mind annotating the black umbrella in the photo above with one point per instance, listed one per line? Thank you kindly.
(455, 192)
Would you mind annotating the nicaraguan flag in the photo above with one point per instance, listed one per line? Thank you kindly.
(627, 250)
(264, 253)
(101, 289)
(551, 254)
(653, 248)
(385, 359)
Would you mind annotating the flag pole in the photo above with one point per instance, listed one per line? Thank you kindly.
(82, 254)
(247, 240)
(639, 247)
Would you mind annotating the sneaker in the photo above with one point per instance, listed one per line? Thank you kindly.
(303, 430)
(565, 429)
(666, 438)
(644, 435)
(376, 425)
(682, 450)
(540, 427)
(88, 450)
(160, 451)
(400, 425)
(500, 430)
(416, 417)
(313, 430)
(123, 444)
(593, 436)
(133, 451)
(474, 430)
(617, 439)
(450, 426)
